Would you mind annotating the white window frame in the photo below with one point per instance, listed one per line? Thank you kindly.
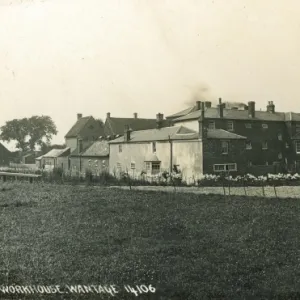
(280, 155)
(264, 145)
(230, 126)
(155, 170)
(287, 145)
(297, 146)
(248, 145)
(132, 165)
(265, 126)
(149, 166)
(222, 147)
(211, 123)
(119, 166)
(248, 125)
(225, 167)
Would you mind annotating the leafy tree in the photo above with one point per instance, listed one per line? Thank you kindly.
(29, 132)
(40, 128)
(16, 130)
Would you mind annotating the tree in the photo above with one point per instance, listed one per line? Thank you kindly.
(29, 132)
(16, 130)
(40, 128)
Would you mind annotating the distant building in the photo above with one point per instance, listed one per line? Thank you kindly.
(85, 131)
(5, 155)
(55, 158)
(94, 158)
(272, 138)
(114, 126)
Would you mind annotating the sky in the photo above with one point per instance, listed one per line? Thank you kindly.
(63, 57)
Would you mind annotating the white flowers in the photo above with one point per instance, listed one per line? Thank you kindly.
(273, 178)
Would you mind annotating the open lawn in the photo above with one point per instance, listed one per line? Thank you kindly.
(187, 246)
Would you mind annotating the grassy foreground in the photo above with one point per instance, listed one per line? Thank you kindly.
(187, 246)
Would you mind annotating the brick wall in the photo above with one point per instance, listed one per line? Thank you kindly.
(212, 154)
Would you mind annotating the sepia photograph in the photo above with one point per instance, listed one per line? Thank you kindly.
(149, 149)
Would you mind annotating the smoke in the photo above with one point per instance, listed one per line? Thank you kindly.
(200, 92)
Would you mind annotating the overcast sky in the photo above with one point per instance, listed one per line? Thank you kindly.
(63, 57)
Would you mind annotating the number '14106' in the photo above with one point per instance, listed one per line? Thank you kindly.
(139, 289)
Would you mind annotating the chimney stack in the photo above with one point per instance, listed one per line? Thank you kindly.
(135, 115)
(220, 108)
(159, 120)
(108, 115)
(207, 104)
(271, 107)
(198, 105)
(79, 116)
(127, 132)
(202, 128)
(251, 109)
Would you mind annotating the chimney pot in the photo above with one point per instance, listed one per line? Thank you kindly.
(202, 129)
(135, 115)
(127, 132)
(79, 116)
(108, 115)
(271, 107)
(159, 120)
(220, 108)
(251, 109)
(198, 105)
(207, 104)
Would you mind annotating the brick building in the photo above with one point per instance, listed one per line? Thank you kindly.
(272, 138)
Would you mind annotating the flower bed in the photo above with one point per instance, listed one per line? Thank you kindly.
(249, 180)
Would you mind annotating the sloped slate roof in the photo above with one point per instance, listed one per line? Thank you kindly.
(183, 112)
(157, 134)
(175, 133)
(223, 134)
(56, 153)
(40, 157)
(114, 126)
(98, 148)
(291, 116)
(77, 127)
(152, 157)
(233, 114)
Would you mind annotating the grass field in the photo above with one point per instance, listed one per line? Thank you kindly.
(187, 246)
